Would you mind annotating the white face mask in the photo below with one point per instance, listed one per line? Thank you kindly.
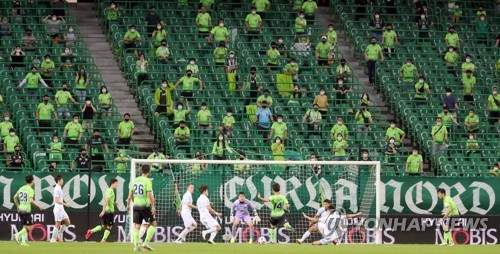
(204, 107)
(113, 6)
(280, 120)
(221, 24)
(56, 140)
(450, 50)
(192, 62)
(339, 123)
(409, 64)
(158, 27)
(280, 41)
(301, 16)
(12, 133)
(365, 155)
(104, 90)
(6, 119)
(415, 152)
(391, 141)
(438, 124)
(494, 92)
(468, 60)
(421, 81)
(75, 120)
(422, 16)
(163, 85)
(377, 16)
(292, 64)
(121, 155)
(254, 12)
(221, 138)
(339, 138)
(66, 51)
(70, 30)
(278, 141)
(482, 18)
(47, 60)
(393, 126)
(54, 18)
(179, 107)
(496, 168)
(322, 92)
(18, 50)
(471, 137)
(231, 56)
(229, 114)
(132, 30)
(448, 94)
(88, 102)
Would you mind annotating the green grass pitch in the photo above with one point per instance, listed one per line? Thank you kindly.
(188, 248)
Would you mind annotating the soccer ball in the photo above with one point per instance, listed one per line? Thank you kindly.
(262, 240)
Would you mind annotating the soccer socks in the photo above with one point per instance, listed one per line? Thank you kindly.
(273, 234)
(106, 235)
(62, 229)
(149, 235)
(233, 231)
(142, 231)
(97, 229)
(23, 233)
(213, 235)
(447, 238)
(136, 237)
(305, 236)
(251, 233)
(183, 234)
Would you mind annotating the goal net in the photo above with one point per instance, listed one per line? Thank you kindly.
(352, 186)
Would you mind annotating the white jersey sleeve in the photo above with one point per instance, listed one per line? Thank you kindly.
(58, 193)
(202, 204)
(186, 199)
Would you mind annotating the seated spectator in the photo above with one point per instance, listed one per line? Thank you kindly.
(314, 118)
(415, 163)
(364, 119)
(456, 13)
(180, 113)
(300, 24)
(131, 38)
(365, 156)
(203, 23)
(29, 41)
(54, 24)
(198, 168)
(281, 46)
(408, 72)
(421, 90)
(16, 159)
(365, 99)
(339, 148)
(53, 167)
(220, 54)
(447, 118)
(322, 100)
(315, 168)
(278, 149)
(81, 162)
(81, 83)
(468, 66)
(182, 135)
(390, 151)
(121, 161)
(88, 111)
(242, 168)
(55, 149)
(204, 120)
(265, 97)
(263, 119)
(341, 90)
(159, 34)
(496, 170)
(152, 19)
(141, 68)
(451, 57)
(68, 59)
(5, 126)
(472, 122)
(295, 96)
(73, 133)
(61, 98)
(105, 101)
(292, 69)
(162, 55)
(5, 28)
(158, 155)
(70, 37)
(17, 57)
(227, 124)
(221, 148)
(472, 145)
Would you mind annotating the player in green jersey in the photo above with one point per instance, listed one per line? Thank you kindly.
(107, 214)
(143, 206)
(23, 200)
(279, 207)
(448, 220)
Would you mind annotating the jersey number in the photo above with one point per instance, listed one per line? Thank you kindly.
(278, 205)
(138, 189)
(23, 197)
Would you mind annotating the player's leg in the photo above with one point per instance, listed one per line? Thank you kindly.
(313, 228)
(137, 219)
(21, 236)
(212, 228)
(250, 227)
(286, 224)
(189, 225)
(108, 225)
(143, 229)
(236, 223)
(274, 222)
(64, 225)
(96, 228)
(25, 235)
(148, 215)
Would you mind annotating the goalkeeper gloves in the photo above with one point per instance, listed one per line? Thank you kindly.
(256, 219)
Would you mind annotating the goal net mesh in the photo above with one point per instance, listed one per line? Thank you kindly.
(351, 187)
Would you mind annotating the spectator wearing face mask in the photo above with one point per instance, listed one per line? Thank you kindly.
(468, 66)
(423, 25)
(263, 119)
(29, 41)
(61, 98)
(68, 59)
(227, 124)
(47, 67)
(439, 134)
(451, 58)
(253, 22)
(88, 111)
(265, 97)
(5, 126)
(450, 101)
(125, 131)
(496, 170)
(482, 30)
(44, 115)
(193, 67)
(343, 71)
(472, 122)
(323, 52)
(142, 69)
(81, 83)
(17, 57)
(339, 148)
(221, 148)
(292, 69)
(408, 72)
(472, 145)
(261, 6)
(163, 99)
(54, 24)
(219, 33)
(365, 99)
(199, 168)
(331, 36)
(33, 78)
(73, 132)
(281, 46)
(182, 135)
(377, 26)
(121, 161)
(394, 132)
(162, 54)
(204, 23)
(9, 144)
(365, 156)
(179, 113)
(157, 155)
(105, 101)
(295, 96)
(131, 38)
(254, 82)
(315, 168)
(242, 167)
(451, 39)
(279, 129)
(421, 90)
(456, 14)
(70, 37)
(322, 100)
(390, 40)
(494, 107)
(447, 118)
(415, 163)
(55, 149)
(204, 117)
(341, 90)
(97, 146)
(273, 56)
(159, 34)
(188, 84)
(300, 24)
(81, 162)
(314, 118)
(278, 150)
(372, 53)
(364, 119)
(112, 12)
(339, 128)
(390, 151)
(16, 159)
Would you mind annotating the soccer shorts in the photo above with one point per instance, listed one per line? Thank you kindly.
(279, 221)
(60, 215)
(26, 219)
(144, 214)
(243, 217)
(108, 219)
(451, 222)
(188, 220)
(209, 222)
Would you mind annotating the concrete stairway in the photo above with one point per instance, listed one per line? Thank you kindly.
(111, 74)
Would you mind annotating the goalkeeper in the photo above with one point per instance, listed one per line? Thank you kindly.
(239, 212)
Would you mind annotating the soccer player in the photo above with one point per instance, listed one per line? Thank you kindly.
(239, 212)
(204, 208)
(322, 213)
(279, 204)
(451, 211)
(60, 215)
(330, 234)
(23, 200)
(185, 212)
(143, 207)
(107, 214)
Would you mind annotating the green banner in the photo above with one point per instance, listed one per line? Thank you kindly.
(399, 195)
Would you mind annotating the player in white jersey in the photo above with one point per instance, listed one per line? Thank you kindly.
(331, 226)
(60, 216)
(206, 219)
(323, 212)
(185, 212)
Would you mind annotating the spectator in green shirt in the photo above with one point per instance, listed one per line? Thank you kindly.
(55, 149)
(372, 53)
(451, 39)
(300, 24)
(421, 90)
(273, 56)
(439, 134)
(408, 72)
(242, 168)
(415, 163)
(62, 97)
(10, 142)
(496, 170)
(221, 148)
(456, 14)
(205, 120)
(141, 69)
(207, 4)
(112, 12)
(203, 23)
(47, 67)
(451, 57)
(323, 52)
(389, 40)
(163, 98)
(220, 33)
(220, 54)
(73, 132)
(472, 122)
(43, 115)
(279, 129)
(5, 126)
(182, 135)
(253, 22)
(310, 7)
(339, 147)
(162, 54)
(468, 66)
(81, 83)
(131, 38)
(339, 128)
(121, 161)
(227, 124)
(278, 149)
(180, 113)
(396, 133)
(105, 101)
(482, 30)
(261, 6)
(447, 117)
(188, 84)
(364, 119)
(472, 145)
(332, 36)
(494, 107)
(292, 68)
(390, 151)
(32, 79)
(265, 97)
(159, 34)
(125, 132)
(314, 120)
(343, 70)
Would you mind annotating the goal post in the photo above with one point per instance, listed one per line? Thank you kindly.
(353, 185)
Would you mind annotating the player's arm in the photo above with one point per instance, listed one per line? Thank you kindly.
(353, 215)
(32, 201)
(58, 201)
(16, 201)
(212, 211)
(152, 202)
(106, 200)
(447, 213)
(190, 205)
(262, 199)
(311, 219)
(130, 198)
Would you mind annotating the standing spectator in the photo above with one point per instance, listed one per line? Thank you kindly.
(331, 36)
(188, 84)
(482, 30)
(439, 134)
(315, 168)
(451, 39)
(105, 101)
(193, 67)
(32, 79)
(220, 33)
(364, 119)
(152, 19)
(472, 122)
(300, 24)
(16, 159)
(292, 69)
(414, 163)
(421, 89)
(47, 67)
(390, 151)
(131, 38)
(254, 82)
(494, 107)
(159, 34)
(227, 124)
(396, 133)
(82, 161)
(265, 97)
(221, 148)
(180, 113)
(261, 6)
(231, 65)
(295, 96)
(88, 111)
(451, 102)
(54, 24)
(408, 72)
(162, 54)
(182, 135)
(365, 99)
(199, 168)
(5, 28)
(377, 26)
(278, 149)
(273, 56)
(95, 145)
(372, 53)
(447, 118)
(323, 52)
(339, 128)
(423, 25)
(343, 71)
(468, 66)
(5, 126)
(339, 147)
(121, 161)
(341, 90)
(263, 119)
(281, 46)
(125, 131)
(205, 120)
(456, 13)
(142, 68)
(163, 99)
(17, 12)
(70, 37)
(204, 23)
(61, 99)
(310, 7)
(390, 40)
(365, 156)
(322, 100)
(81, 83)
(29, 41)
(220, 54)
(17, 57)
(112, 13)
(279, 129)
(55, 149)
(73, 133)
(43, 114)
(242, 168)
(314, 123)
(9, 144)
(480, 11)
(451, 57)
(253, 22)
(472, 145)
